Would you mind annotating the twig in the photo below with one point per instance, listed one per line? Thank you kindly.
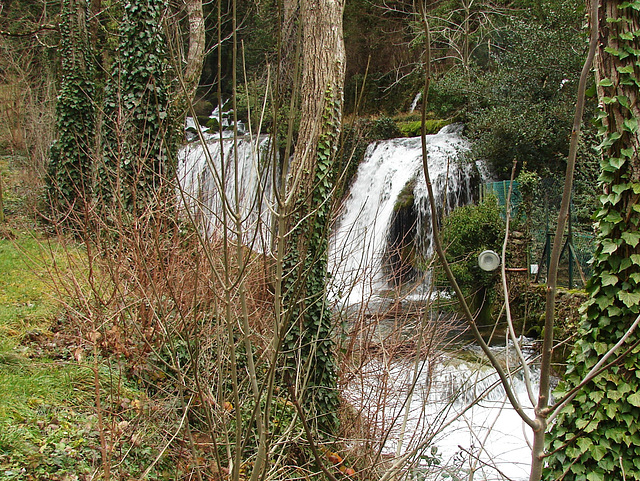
(184, 416)
(6, 33)
(95, 336)
(485, 463)
(307, 432)
(595, 370)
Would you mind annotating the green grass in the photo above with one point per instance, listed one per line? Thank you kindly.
(24, 302)
(48, 423)
(47, 420)
(38, 399)
(414, 128)
(45, 416)
(49, 426)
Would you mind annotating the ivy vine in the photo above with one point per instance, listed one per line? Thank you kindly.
(137, 163)
(597, 436)
(309, 341)
(69, 173)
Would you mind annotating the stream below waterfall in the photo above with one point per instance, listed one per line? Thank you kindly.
(488, 438)
(456, 417)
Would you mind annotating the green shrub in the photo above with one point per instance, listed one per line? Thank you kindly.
(414, 128)
(466, 232)
(384, 128)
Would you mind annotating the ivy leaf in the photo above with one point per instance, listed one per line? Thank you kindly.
(598, 452)
(609, 246)
(601, 348)
(606, 82)
(604, 302)
(631, 238)
(629, 299)
(584, 444)
(631, 124)
(622, 100)
(595, 476)
(634, 399)
(617, 162)
(614, 311)
(620, 188)
(609, 279)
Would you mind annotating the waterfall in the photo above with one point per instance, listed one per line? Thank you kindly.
(227, 178)
(371, 232)
(360, 242)
(387, 203)
(414, 102)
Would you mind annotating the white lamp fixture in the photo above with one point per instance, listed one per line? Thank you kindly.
(488, 260)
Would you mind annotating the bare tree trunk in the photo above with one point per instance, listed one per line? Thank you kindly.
(195, 57)
(323, 67)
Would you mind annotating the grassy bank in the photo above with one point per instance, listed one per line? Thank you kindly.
(52, 426)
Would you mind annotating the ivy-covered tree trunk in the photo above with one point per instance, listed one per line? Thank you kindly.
(309, 340)
(596, 437)
(69, 179)
(137, 162)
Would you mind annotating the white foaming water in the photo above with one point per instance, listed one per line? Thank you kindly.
(486, 437)
(207, 172)
(361, 235)
(414, 102)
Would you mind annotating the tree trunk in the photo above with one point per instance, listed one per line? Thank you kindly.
(323, 67)
(195, 57)
(309, 340)
(609, 63)
(595, 436)
(69, 183)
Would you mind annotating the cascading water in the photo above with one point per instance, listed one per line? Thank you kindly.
(360, 241)
(414, 102)
(229, 173)
(363, 237)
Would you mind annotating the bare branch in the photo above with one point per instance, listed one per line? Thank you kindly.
(595, 370)
(30, 33)
(441, 255)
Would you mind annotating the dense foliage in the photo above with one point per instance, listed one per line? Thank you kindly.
(468, 231)
(518, 101)
(137, 136)
(69, 180)
(596, 436)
